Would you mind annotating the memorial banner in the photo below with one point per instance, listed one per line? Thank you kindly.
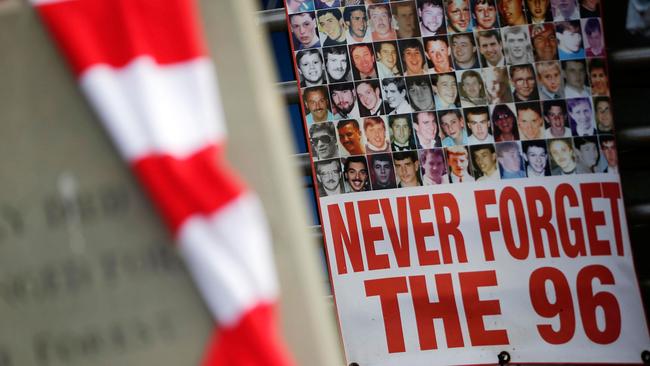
(468, 184)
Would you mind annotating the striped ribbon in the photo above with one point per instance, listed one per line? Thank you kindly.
(144, 67)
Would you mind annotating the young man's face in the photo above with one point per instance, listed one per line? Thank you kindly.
(343, 100)
(357, 176)
(524, 81)
(462, 48)
(363, 60)
(303, 28)
(387, 55)
(512, 11)
(421, 96)
(350, 138)
(337, 66)
(407, 171)
(458, 162)
(438, 53)
(376, 135)
(358, 24)
(383, 171)
(329, 175)
(536, 157)
(479, 124)
(458, 15)
(575, 74)
(545, 44)
(426, 128)
(588, 153)
(434, 168)
(331, 26)
(538, 8)
(555, 117)
(380, 20)
(431, 17)
(530, 124)
(581, 114)
(368, 95)
(405, 15)
(551, 79)
(324, 144)
(401, 131)
(446, 88)
(571, 40)
(317, 104)
(517, 43)
(609, 150)
(471, 86)
(413, 61)
(562, 154)
(393, 95)
(452, 125)
(604, 114)
(510, 160)
(491, 49)
(311, 68)
(486, 160)
(486, 16)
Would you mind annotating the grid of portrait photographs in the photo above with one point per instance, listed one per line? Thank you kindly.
(424, 92)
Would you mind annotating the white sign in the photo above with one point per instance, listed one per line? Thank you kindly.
(456, 274)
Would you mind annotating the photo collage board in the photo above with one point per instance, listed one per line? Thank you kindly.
(424, 92)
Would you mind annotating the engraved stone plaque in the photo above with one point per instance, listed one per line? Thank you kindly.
(8, 5)
(88, 275)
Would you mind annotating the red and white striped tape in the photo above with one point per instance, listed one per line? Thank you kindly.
(143, 65)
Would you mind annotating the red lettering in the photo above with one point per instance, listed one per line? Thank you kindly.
(486, 223)
(400, 243)
(510, 195)
(588, 302)
(345, 240)
(612, 191)
(372, 234)
(593, 219)
(449, 228)
(541, 221)
(565, 192)
(426, 311)
(562, 307)
(475, 309)
(421, 230)
(387, 290)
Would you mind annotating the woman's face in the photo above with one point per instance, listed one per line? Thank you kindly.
(538, 8)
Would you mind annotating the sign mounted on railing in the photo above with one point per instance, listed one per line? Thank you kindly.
(468, 181)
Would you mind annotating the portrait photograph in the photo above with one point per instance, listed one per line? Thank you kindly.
(382, 171)
(311, 68)
(504, 122)
(536, 158)
(459, 164)
(337, 64)
(562, 156)
(511, 160)
(322, 137)
(484, 162)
